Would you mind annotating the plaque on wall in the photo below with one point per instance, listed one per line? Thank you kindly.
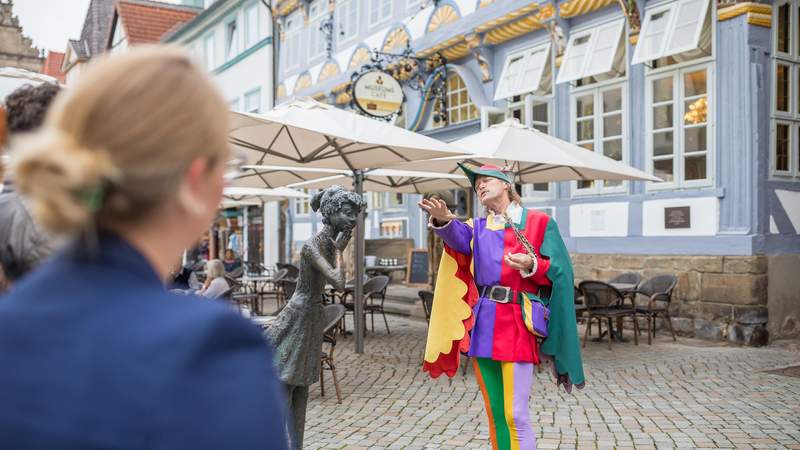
(677, 217)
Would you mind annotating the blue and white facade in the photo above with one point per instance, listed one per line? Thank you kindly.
(233, 40)
(703, 95)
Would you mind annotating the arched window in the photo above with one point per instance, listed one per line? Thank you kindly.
(459, 106)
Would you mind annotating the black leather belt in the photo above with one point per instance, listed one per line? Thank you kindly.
(503, 294)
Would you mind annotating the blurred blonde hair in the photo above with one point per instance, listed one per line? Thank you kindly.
(116, 145)
(214, 269)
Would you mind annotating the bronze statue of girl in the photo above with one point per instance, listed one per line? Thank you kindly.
(297, 331)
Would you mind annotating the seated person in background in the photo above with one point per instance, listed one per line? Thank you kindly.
(231, 261)
(215, 284)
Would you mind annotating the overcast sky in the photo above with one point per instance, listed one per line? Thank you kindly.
(51, 22)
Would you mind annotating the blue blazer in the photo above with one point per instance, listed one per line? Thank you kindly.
(96, 354)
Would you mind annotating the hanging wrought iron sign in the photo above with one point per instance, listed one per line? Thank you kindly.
(378, 94)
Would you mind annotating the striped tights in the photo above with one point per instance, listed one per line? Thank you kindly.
(506, 387)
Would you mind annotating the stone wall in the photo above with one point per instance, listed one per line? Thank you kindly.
(783, 298)
(717, 297)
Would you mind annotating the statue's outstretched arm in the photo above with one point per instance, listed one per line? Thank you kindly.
(332, 274)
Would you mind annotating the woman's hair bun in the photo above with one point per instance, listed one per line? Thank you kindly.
(66, 184)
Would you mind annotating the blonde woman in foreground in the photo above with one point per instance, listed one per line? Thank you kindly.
(96, 353)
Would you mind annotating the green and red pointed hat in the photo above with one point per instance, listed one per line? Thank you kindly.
(487, 170)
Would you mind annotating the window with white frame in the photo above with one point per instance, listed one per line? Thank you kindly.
(786, 90)
(380, 11)
(233, 104)
(397, 200)
(316, 37)
(252, 101)
(377, 200)
(231, 39)
(394, 229)
(251, 25)
(594, 54)
(291, 45)
(459, 106)
(675, 32)
(302, 206)
(346, 20)
(598, 120)
(208, 52)
(679, 114)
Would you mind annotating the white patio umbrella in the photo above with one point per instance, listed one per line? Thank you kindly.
(261, 194)
(390, 180)
(277, 176)
(533, 156)
(12, 78)
(307, 133)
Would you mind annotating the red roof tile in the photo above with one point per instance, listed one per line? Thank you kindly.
(146, 21)
(52, 66)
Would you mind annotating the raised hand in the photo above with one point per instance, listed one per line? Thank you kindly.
(437, 209)
(519, 261)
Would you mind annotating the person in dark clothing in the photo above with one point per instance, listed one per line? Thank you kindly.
(129, 168)
(22, 243)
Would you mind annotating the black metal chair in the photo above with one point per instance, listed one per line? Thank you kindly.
(604, 301)
(237, 272)
(374, 290)
(658, 290)
(333, 315)
(627, 278)
(426, 297)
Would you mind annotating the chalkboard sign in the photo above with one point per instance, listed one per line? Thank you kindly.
(418, 267)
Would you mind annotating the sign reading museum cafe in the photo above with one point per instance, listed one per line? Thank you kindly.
(378, 94)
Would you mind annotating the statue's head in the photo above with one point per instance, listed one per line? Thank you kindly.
(339, 207)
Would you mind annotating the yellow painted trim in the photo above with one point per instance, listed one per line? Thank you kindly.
(343, 98)
(738, 9)
(512, 30)
(559, 60)
(574, 8)
(513, 15)
(547, 11)
(287, 7)
(443, 15)
(634, 39)
(340, 87)
(761, 20)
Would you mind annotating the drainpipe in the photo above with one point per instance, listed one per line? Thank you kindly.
(275, 50)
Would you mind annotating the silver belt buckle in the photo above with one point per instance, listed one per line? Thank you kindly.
(499, 294)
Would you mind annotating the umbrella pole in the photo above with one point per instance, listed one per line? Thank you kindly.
(358, 291)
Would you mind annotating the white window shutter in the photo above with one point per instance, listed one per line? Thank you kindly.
(606, 42)
(653, 37)
(508, 76)
(531, 70)
(575, 56)
(687, 27)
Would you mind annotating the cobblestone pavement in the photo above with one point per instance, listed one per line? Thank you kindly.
(689, 394)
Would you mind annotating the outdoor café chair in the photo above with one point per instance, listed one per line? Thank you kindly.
(658, 290)
(631, 278)
(237, 272)
(333, 315)
(427, 303)
(375, 289)
(604, 301)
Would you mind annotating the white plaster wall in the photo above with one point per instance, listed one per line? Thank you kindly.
(703, 217)
(599, 219)
(246, 75)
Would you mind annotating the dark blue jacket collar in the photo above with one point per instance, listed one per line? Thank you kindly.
(108, 249)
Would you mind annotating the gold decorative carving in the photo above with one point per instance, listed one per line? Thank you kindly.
(634, 39)
(485, 3)
(281, 91)
(303, 82)
(330, 69)
(574, 8)
(442, 16)
(545, 12)
(360, 56)
(321, 97)
(287, 7)
(343, 98)
(397, 38)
